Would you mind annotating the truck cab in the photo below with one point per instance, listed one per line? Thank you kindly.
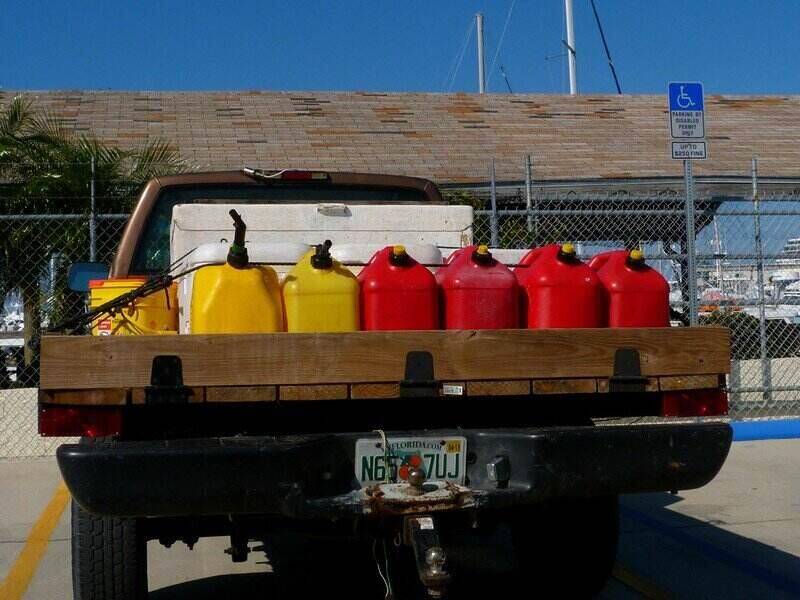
(523, 439)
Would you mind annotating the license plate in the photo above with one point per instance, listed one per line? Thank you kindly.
(442, 459)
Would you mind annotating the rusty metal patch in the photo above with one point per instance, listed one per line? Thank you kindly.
(402, 498)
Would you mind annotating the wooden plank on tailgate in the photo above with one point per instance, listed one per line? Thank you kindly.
(242, 393)
(688, 382)
(564, 386)
(651, 385)
(312, 392)
(518, 387)
(107, 397)
(368, 391)
(89, 362)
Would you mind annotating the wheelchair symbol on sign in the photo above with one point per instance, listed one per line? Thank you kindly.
(683, 99)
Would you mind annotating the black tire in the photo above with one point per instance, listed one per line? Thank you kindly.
(571, 544)
(109, 557)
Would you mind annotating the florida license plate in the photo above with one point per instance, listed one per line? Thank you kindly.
(442, 459)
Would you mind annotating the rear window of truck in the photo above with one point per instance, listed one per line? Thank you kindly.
(152, 252)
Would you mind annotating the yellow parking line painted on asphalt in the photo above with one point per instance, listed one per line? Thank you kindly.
(22, 571)
(639, 584)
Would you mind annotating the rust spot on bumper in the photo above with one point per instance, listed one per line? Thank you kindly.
(398, 498)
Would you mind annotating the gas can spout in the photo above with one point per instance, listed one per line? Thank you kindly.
(237, 254)
(322, 256)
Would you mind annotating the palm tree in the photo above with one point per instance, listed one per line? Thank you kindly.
(47, 169)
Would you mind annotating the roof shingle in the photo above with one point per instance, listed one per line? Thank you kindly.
(444, 137)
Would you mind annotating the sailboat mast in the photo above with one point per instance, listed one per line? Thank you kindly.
(573, 77)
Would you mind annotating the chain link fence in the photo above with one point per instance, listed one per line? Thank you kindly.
(37, 250)
(747, 274)
(747, 259)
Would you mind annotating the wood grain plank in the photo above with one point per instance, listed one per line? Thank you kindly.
(242, 393)
(77, 362)
(564, 386)
(499, 388)
(688, 382)
(105, 397)
(651, 385)
(299, 393)
(369, 391)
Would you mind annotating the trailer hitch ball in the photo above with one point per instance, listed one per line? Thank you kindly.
(435, 559)
(416, 479)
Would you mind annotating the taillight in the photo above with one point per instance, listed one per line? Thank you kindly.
(88, 421)
(694, 403)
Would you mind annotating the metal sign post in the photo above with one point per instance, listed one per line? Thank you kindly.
(92, 219)
(691, 263)
(687, 129)
(766, 365)
(494, 226)
(529, 191)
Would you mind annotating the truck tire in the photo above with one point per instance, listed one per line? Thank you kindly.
(572, 544)
(109, 557)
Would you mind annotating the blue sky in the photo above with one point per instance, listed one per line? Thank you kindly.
(733, 46)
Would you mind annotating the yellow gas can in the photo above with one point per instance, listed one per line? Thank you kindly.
(320, 294)
(236, 297)
(150, 315)
(227, 299)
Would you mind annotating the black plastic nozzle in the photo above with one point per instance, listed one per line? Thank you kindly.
(237, 254)
(322, 256)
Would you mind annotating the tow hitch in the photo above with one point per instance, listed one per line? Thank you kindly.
(416, 496)
(430, 558)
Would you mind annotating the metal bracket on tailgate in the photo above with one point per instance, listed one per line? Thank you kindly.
(627, 372)
(166, 382)
(418, 381)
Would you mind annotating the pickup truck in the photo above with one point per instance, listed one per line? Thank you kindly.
(284, 441)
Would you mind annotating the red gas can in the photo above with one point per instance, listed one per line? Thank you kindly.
(449, 261)
(638, 295)
(522, 272)
(478, 292)
(397, 293)
(563, 292)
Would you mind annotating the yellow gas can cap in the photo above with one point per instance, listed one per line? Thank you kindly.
(481, 255)
(636, 256)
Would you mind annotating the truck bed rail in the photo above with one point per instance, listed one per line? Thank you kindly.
(118, 370)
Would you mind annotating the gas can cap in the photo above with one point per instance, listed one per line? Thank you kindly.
(399, 256)
(636, 256)
(481, 255)
(567, 251)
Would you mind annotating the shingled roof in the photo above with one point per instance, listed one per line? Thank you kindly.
(444, 137)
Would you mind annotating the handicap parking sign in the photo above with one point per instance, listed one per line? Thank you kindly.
(685, 97)
(686, 110)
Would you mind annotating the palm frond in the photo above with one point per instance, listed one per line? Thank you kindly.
(158, 157)
(49, 129)
(16, 117)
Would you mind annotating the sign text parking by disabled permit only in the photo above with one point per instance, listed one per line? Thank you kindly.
(687, 120)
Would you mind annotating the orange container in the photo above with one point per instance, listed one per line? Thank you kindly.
(152, 315)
